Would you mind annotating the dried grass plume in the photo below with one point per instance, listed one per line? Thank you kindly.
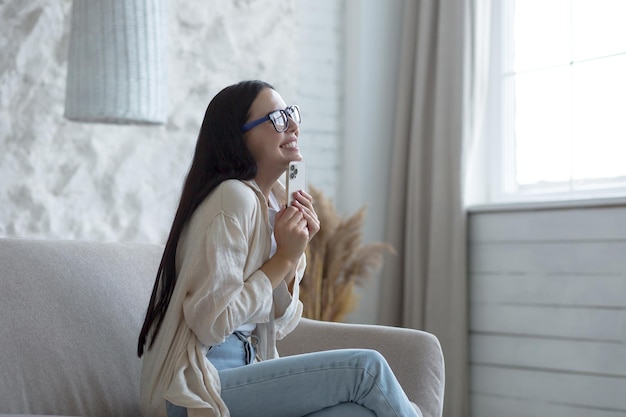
(337, 262)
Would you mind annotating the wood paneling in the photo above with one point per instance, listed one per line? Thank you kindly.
(548, 312)
(492, 405)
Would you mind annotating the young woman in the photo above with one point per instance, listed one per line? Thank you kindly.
(228, 282)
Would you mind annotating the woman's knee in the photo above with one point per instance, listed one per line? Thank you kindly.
(372, 360)
(344, 410)
(371, 356)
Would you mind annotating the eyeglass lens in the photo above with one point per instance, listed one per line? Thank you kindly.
(294, 113)
(280, 118)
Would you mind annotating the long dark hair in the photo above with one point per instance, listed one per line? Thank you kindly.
(221, 154)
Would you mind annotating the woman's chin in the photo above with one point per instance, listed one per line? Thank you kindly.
(297, 156)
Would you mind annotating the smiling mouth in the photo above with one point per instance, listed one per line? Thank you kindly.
(290, 145)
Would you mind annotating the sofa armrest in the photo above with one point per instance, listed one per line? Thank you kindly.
(415, 356)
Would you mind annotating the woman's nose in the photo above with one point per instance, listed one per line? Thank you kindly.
(292, 126)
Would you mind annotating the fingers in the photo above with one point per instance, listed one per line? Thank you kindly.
(304, 202)
(291, 232)
(291, 218)
(289, 214)
(303, 195)
(309, 214)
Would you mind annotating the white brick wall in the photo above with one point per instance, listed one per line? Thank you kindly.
(101, 182)
(320, 90)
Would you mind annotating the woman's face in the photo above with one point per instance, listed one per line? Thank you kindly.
(271, 150)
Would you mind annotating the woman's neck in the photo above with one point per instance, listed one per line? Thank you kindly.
(265, 184)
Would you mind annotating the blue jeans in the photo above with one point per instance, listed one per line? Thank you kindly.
(336, 383)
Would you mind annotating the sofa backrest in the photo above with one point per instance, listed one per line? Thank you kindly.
(70, 314)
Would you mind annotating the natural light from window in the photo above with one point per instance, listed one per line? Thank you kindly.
(565, 88)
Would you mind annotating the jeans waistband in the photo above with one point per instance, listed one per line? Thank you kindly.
(250, 342)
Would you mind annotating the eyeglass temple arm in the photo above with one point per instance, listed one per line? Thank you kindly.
(254, 123)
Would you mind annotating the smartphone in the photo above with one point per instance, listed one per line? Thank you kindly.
(295, 179)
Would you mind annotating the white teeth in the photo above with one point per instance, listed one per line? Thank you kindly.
(290, 145)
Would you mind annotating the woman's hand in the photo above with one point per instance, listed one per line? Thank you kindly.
(304, 202)
(291, 233)
(294, 227)
(292, 236)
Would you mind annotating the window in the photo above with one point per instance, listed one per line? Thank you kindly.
(557, 114)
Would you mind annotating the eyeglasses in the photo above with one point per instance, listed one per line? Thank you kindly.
(279, 118)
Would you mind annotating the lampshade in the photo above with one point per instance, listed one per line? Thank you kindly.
(117, 62)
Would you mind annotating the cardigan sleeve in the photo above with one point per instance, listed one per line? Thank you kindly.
(288, 306)
(220, 299)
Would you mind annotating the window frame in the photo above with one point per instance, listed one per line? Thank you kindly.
(501, 184)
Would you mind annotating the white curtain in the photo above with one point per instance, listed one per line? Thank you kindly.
(439, 96)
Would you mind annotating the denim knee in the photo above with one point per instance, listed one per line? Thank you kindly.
(371, 359)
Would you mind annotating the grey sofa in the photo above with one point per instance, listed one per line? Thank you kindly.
(70, 312)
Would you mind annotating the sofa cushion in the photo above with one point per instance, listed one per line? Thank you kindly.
(71, 312)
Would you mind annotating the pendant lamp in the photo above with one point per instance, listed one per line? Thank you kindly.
(117, 62)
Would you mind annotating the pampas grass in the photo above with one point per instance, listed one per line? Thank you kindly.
(337, 262)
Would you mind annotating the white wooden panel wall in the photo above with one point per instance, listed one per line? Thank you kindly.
(321, 50)
(548, 312)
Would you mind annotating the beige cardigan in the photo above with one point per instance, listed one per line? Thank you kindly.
(219, 288)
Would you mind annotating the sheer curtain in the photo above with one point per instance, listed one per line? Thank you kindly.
(439, 94)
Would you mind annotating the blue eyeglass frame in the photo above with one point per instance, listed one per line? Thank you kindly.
(287, 111)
